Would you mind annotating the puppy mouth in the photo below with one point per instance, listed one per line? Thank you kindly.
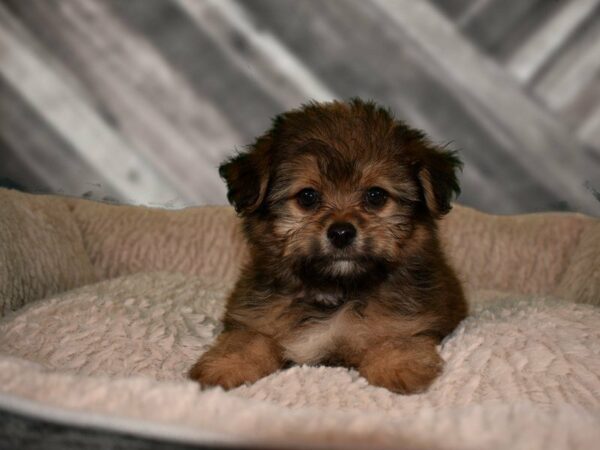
(339, 259)
(343, 266)
(335, 259)
(353, 272)
(323, 262)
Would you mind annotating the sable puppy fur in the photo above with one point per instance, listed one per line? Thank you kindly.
(339, 203)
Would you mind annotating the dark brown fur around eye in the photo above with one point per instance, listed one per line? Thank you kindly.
(344, 280)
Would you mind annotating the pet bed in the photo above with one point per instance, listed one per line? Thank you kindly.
(105, 307)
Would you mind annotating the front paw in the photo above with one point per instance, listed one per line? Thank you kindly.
(237, 358)
(229, 371)
(402, 367)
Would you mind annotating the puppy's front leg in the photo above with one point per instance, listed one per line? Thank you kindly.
(238, 357)
(405, 366)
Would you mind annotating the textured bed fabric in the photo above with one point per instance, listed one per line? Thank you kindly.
(581, 277)
(41, 249)
(521, 372)
(527, 253)
(50, 244)
(122, 239)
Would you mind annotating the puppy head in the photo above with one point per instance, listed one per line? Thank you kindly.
(340, 192)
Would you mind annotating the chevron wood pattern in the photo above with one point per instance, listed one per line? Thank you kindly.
(139, 100)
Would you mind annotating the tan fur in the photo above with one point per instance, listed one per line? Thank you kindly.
(348, 335)
(428, 190)
(405, 366)
(315, 343)
(239, 356)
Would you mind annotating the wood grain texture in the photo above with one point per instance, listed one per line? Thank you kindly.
(46, 86)
(146, 97)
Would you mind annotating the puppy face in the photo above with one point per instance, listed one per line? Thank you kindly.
(339, 193)
(341, 215)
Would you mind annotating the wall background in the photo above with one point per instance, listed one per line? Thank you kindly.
(139, 100)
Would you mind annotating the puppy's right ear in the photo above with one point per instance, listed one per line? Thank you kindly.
(247, 177)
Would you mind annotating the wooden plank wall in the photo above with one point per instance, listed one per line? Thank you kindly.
(139, 100)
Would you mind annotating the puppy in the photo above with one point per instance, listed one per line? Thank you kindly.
(339, 203)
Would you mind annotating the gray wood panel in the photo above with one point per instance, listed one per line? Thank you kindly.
(332, 40)
(499, 26)
(53, 92)
(547, 40)
(517, 117)
(35, 171)
(165, 89)
(138, 94)
(454, 9)
(195, 56)
(43, 155)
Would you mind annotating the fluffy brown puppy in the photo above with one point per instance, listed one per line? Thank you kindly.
(339, 203)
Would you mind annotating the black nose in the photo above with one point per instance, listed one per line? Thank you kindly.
(341, 234)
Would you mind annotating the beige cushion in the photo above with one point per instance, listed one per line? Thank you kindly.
(121, 239)
(521, 372)
(41, 249)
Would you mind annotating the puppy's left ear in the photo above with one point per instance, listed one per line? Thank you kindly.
(247, 176)
(437, 174)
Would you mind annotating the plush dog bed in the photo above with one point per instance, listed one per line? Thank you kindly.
(105, 307)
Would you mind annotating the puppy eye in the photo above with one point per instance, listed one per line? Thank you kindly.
(308, 198)
(376, 197)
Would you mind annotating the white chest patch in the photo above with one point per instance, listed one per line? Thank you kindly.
(315, 342)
